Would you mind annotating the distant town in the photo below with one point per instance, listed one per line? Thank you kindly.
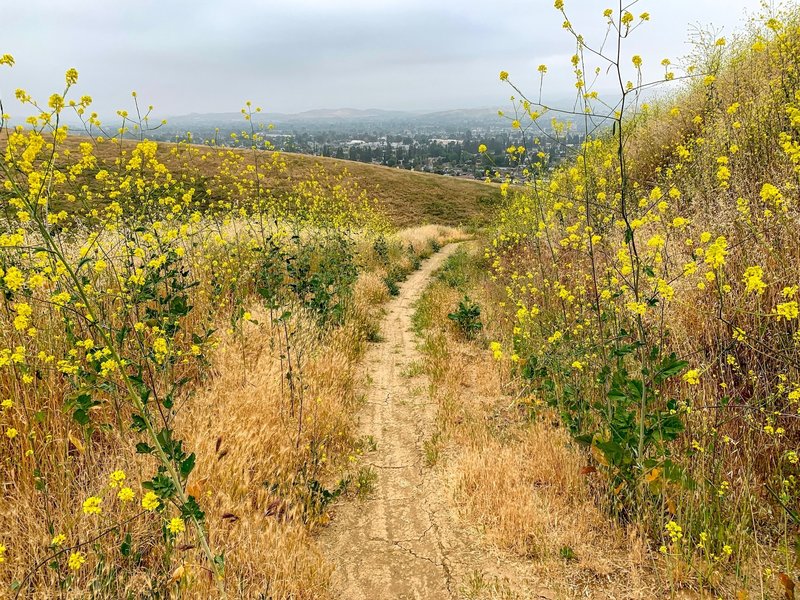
(446, 143)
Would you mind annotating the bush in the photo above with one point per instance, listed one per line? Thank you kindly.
(323, 274)
(467, 318)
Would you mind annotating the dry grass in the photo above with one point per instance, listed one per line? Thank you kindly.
(518, 478)
(420, 235)
(410, 198)
(495, 482)
(254, 476)
(370, 290)
(263, 481)
(255, 470)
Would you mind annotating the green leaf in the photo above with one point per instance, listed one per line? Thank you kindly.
(142, 448)
(191, 510)
(612, 451)
(667, 427)
(567, 553)
(138, 424)
(187, 466)
(670, 367)
(624, 350)
(39, 480)
(81, 416)
(628, 235)
(162, 485)
(179, 306)
(219, 560)
(635, 389)
(616, 395)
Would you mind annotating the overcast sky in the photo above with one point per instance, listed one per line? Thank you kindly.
(210, 56)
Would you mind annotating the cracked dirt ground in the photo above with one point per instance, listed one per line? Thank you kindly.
(405, 541)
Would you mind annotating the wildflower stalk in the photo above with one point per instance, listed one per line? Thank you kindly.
(93, 315)
(629, 234)
(142, 410)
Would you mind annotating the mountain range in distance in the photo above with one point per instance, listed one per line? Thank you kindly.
(341, 119)
(342, 116)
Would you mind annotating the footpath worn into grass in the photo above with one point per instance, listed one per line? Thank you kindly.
(404, 541)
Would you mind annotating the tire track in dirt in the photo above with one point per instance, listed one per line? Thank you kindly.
(404, 541)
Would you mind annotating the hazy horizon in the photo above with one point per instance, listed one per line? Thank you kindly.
(308, 55)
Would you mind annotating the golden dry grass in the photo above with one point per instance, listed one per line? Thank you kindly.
(407, 198)
(261, 484)
(419, 235)
(241, 430)
(518, 478)
(253, 474)
(411, 198)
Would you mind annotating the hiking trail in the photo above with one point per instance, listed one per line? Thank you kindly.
(405, 540)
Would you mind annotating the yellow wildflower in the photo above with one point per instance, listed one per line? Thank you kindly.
(116, 478)
(91, 506)
(176, 526)
(692, 377)
(787, 310)
(150, 501)
(752, 279)
(76, 560)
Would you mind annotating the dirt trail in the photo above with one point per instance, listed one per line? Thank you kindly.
(404, 541)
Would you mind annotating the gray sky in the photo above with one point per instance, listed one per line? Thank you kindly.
(210, 56)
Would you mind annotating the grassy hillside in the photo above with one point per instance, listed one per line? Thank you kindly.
(407, 198)
(411, 198)
(615, 376)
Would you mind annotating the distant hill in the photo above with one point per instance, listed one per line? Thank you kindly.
(407, 197)
(344, 113)
(338, 117)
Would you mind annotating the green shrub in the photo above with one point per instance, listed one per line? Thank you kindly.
(322, 276)
(467, 318)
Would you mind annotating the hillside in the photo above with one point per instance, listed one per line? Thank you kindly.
(411, 198)
(644, 300)
(407, 198)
